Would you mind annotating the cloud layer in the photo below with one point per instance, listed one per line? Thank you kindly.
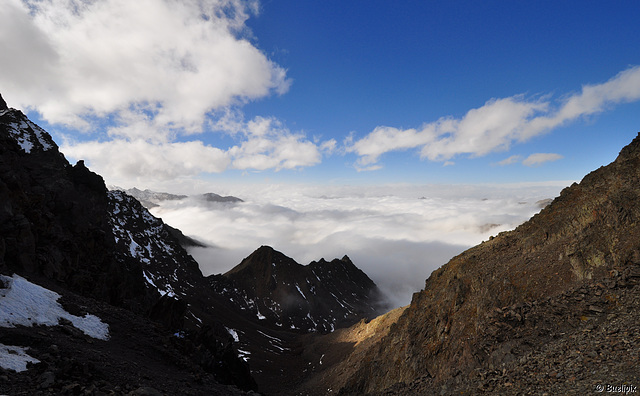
(496, 125)
(396, 234)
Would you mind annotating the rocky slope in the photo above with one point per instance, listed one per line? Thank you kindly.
(525, 296)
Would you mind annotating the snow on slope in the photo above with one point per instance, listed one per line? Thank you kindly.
(26, 304)
(15, 358)
(27, 134)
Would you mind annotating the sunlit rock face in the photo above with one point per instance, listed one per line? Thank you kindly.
(588, 235)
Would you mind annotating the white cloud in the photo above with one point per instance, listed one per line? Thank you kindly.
(396, 234)
(176, 59)
(130, 162)
(496, 125)
(511, 160)
(140, 152)
(269, 145)
(538, 159)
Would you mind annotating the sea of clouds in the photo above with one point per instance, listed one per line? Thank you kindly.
(397, 234)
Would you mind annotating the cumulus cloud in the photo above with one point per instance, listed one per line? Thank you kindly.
(131, 157)
(396, 234)
(538, 159)
(176, 59)
(269, 145)
(138, 160)
(497, 124)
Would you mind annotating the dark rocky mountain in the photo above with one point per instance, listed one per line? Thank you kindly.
(550, 307)
(321, 296)
(104, 256)
(185, 241)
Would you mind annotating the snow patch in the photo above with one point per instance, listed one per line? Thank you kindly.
(27, 304)
(244, 355)
(300, 291)
(25, 133)
(233, 334)
(167, 291)
(15, 358)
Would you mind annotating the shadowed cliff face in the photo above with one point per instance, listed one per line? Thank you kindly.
(53, 215)
(589, 232)
(60, 227)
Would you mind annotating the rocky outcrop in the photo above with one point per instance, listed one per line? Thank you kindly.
(586, 235)
(579, 342)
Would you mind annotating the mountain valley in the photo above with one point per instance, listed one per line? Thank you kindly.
(550, 307)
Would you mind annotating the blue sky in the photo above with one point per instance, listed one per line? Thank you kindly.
(158, 94)
(357, 66)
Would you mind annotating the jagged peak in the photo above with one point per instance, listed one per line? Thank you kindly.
(3, 104)
(344, 262)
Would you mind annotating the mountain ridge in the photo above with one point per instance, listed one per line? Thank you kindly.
(583, 237)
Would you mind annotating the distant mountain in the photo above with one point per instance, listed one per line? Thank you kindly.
(211, 197)
(150, 199)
